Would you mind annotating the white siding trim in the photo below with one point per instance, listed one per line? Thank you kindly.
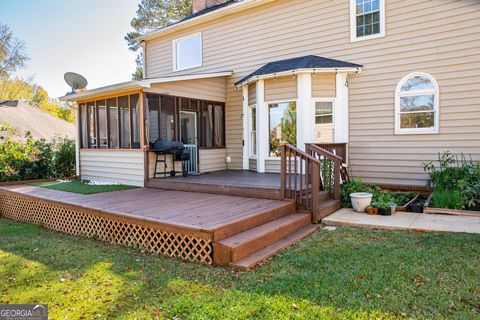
(304, 110)
(341, 120)
(353, 23)
(262, 131)
(246, 128)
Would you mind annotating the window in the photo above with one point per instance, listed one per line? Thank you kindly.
(212, 125)
(417, 104)
(367, 19)
(253, 131)
(324, 128)
(282, 119)
(187, 52)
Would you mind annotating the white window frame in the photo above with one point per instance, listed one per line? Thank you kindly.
(174, 54)
(267, 125)
(353, 23)
(436, 104)
(314, 116)
(250, 132)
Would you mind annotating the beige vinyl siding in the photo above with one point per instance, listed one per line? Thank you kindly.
(212, 160)
(206, 89)
(272, 166)
(160, 168)
(281, 89)
(441, 38)
(323, 133)
(252, 94)
(324, 85)
(124, 167)
(252, 164)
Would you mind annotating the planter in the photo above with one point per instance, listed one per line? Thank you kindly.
(361, 200)
(393, 209)
(406, 205)
(386, 211)
(370, 210)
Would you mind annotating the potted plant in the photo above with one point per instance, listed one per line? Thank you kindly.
(361, 200)
(370, 210)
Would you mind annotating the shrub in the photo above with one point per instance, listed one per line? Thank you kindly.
(36, 159)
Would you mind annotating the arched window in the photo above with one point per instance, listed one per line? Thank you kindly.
(417, 104)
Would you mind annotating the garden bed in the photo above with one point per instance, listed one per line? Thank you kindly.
(455, 212)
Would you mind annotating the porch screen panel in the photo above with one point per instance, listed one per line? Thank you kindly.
(206, 134)
(167, 118)
(153, 116)
(92, 129)
(135, 114)
(124, 122)
(219, 120)
(102, 123)
(112, 123)
(83, 126)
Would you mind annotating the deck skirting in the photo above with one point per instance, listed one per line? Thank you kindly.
(82, 222)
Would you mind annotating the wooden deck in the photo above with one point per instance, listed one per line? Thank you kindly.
(228, 182)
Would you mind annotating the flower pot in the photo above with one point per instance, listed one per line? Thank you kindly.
(369, 210)
(375, 210)
(361, 200)
(385, 211)
(393, 208)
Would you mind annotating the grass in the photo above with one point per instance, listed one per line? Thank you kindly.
(448, 199)
(80, 186)
(346, 274)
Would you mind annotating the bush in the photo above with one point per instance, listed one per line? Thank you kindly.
(36, 159)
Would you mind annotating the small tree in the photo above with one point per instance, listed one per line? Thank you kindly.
(12, 53)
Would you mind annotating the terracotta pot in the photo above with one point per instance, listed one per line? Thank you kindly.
(375, 210)
(369, 210)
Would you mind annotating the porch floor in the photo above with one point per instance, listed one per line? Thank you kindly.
(199, 214)
(228, 182)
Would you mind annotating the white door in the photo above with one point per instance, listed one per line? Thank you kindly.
(188, 136)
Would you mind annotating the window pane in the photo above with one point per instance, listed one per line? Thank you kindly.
(282, 125)
(135, 109)
(416, 103)
(360, 31)
(376, 28)
(188, 52)
(417, 83)
(207, 126)
(417, 120)
(167, 118)
(368, 29)
(153, 113)
(219, 119)
(113, 122)
(92, 129)
(375, 5)
(124, 122)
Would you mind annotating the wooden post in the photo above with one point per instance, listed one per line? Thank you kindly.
(315, 190)
(283, 170)
(336, 182)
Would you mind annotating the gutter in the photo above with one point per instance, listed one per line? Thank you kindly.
(130, 85)
(236, 7)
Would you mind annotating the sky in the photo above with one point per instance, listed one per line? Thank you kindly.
(83, 36)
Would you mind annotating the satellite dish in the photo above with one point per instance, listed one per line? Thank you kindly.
(75, 81)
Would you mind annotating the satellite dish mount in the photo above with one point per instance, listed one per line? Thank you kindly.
(75, 81)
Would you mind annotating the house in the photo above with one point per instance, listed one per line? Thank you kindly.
(397, 81)
(20, 117)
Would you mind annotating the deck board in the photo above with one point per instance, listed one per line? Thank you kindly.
(203, 212)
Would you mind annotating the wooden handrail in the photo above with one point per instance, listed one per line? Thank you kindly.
(330, 165)
(300, 179)
(338, 149)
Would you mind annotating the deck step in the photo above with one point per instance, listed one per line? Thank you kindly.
(245, 243)
(260, 256)
(328, 207)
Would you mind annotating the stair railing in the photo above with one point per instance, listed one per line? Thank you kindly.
(300, 179)
(338, 149)
(330, 165)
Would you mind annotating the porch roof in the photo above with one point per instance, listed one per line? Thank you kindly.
(138, 85)
(309, 63)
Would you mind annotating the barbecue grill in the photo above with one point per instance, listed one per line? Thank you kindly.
(163, 148)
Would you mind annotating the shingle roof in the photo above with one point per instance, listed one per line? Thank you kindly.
(306, 62)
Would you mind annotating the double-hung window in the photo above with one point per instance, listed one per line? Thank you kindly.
(187, 52)
(367, 19)
(417, 104)
(253, 131)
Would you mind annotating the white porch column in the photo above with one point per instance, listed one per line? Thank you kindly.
(77, 140)
(305, 110)
(341, 109)
(262, 127)
(245, 118)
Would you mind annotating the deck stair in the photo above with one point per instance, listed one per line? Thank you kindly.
(267, 235)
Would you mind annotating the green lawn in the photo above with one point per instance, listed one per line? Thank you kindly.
(80, 186)
(346, 274)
